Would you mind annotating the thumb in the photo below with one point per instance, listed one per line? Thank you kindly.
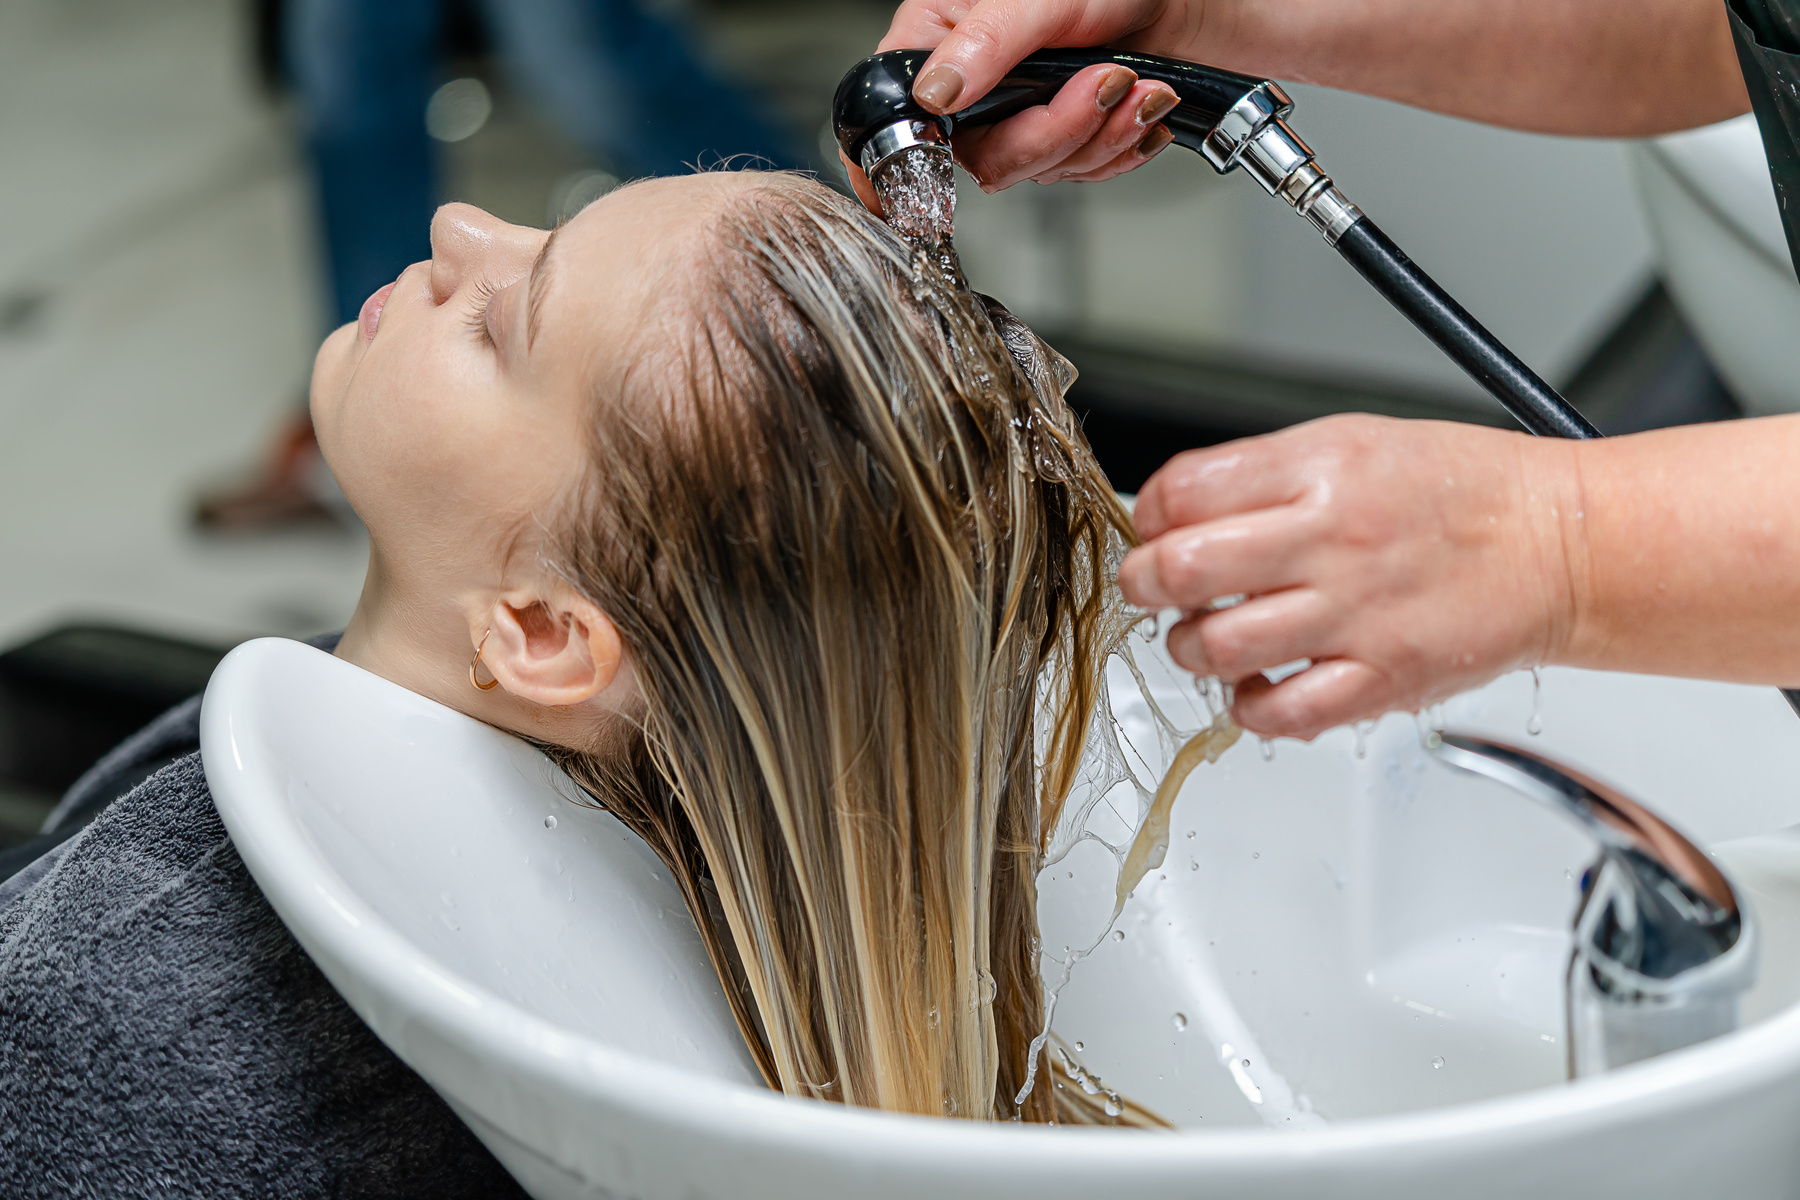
(986, 43)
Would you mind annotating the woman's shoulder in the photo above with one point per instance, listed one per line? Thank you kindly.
(135, 848)
(155, 1015)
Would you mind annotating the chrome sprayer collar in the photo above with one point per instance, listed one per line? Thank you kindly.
(1253, 135)
(890, 140)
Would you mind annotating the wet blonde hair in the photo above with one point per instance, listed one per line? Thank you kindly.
(859, 552)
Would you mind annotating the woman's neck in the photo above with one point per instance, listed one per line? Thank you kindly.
(420, 630)
(399, 635)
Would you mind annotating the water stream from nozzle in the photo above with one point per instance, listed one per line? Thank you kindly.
(917, 188)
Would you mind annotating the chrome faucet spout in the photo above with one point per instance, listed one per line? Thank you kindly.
(1664, 949)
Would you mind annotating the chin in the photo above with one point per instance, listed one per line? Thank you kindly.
(332, 367)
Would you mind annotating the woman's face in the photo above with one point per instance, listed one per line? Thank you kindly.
(455, 406)
(454, 415)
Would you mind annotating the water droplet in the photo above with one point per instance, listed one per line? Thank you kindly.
(550, 821)
(1534, 724)
(1437, 1062)
(1190, 833)
(932, 1019)
(1567, 874)
(1256, 854)
(1113, 1107)
(1079, 1047)
(449, 903)
(1193, 864)
(1179, 1020)
(1267, 749)
(1362, 739)
(1118, 935)
(1246, 1062)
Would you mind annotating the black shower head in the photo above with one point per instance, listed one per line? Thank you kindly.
(875, 115)
(875, 102)
(1233, 121)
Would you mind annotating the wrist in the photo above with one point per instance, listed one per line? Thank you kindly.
(1555, 498)
(1240, 35)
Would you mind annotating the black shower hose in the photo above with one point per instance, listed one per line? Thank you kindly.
(1532, 402)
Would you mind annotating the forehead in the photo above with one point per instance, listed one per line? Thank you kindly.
(628, 248)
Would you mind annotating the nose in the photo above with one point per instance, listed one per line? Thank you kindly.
(468, 244)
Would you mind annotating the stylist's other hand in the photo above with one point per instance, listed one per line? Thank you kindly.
(1409, 560)
(1104, 121)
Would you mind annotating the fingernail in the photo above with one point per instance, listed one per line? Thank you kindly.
(938, 88)
(1138, 579)
(1154, 141)
(1155, 107)
(1118, 81)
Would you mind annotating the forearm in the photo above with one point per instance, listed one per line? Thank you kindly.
(1683, 552)
(1617, 68)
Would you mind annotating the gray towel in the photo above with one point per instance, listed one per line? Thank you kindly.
(161, 1033)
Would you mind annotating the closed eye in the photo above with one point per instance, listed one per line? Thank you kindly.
(479, 303)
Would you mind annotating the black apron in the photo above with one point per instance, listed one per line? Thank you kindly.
(1767, 33)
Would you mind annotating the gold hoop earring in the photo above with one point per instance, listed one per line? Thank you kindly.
(476, 662)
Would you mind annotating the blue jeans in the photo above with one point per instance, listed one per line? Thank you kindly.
(619, 82)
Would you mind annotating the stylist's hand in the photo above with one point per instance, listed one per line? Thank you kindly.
(1409, 560)
(1102, 123)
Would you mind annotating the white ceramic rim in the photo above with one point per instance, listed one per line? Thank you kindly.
(336, 926)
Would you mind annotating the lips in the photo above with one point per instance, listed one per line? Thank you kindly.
(370, 316)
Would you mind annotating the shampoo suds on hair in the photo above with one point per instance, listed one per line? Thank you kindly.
(1152, 841)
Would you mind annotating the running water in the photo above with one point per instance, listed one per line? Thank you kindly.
(918, 197)
(917, 188)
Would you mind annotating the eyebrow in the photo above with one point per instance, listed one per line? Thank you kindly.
(536, 286)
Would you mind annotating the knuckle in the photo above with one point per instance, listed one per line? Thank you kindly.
(979, 36)
(1358, 440)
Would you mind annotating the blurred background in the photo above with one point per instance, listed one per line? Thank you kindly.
(168, 264)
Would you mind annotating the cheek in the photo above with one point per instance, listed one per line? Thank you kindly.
(410, 435)
(333, 366)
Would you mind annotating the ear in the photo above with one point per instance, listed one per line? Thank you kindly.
(557, 650)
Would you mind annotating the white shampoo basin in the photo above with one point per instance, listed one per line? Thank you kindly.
(1346, 983)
